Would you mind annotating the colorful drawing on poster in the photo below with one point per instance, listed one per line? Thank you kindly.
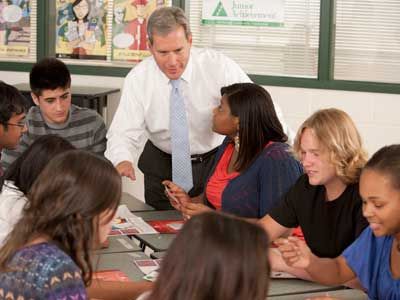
(129, 34)
(81, 29)
(15, 28)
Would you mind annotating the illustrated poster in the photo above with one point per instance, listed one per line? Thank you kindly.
(81, 29)
(129, 33)
(15, 28)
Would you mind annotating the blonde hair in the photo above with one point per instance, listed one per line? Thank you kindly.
(336, 131)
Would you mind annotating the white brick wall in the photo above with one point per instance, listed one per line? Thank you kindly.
(376, 115)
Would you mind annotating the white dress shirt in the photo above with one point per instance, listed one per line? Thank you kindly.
(12, 202)
(144, 106)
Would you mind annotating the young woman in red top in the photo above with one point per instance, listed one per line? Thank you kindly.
(253, 166)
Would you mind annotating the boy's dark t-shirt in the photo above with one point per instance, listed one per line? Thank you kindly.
(328, 226)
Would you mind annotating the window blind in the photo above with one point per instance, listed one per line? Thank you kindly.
(291, 50)
(33, 41)
(367, 44)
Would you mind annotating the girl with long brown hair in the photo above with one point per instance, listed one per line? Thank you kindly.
(20, 176)
(69, 212)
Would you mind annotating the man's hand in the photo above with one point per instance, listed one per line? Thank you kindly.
(125, 168)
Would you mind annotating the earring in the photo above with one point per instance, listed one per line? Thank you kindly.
(237, 142)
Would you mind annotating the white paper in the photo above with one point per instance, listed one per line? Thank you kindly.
(126, 223)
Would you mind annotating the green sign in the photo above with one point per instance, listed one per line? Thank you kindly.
(244, 12)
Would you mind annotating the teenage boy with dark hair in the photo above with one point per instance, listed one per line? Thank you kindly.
(12, 117)
(50, 83)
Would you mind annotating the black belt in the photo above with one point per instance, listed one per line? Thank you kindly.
(196, 158)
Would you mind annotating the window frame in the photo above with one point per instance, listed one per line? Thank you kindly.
(324, 79)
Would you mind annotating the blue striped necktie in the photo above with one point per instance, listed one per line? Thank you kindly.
(180, 147)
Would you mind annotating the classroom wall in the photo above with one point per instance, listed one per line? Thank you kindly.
(376, 114)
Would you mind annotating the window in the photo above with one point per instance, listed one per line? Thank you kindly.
(290, 50)
(367, 43)
(329, 44)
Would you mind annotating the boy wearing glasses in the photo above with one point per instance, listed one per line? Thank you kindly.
(12, 117)
(50, 83)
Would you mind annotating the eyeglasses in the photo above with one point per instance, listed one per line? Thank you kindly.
(19, 124)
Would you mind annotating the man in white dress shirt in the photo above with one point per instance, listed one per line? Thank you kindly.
(145, 101)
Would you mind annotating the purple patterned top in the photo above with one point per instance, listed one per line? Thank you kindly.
(42, 271)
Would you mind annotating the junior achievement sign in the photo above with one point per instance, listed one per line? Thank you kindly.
(244, 12)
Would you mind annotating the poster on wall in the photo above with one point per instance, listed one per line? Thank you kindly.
(244, 12)
(81, 29)
(15, 28)
(129, 32)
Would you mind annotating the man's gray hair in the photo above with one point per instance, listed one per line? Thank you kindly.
(164, 20)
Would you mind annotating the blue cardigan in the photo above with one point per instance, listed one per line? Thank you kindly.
(260, 187)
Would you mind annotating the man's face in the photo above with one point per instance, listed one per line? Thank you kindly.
(11, 134)
(171, 52)
(54, 104)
